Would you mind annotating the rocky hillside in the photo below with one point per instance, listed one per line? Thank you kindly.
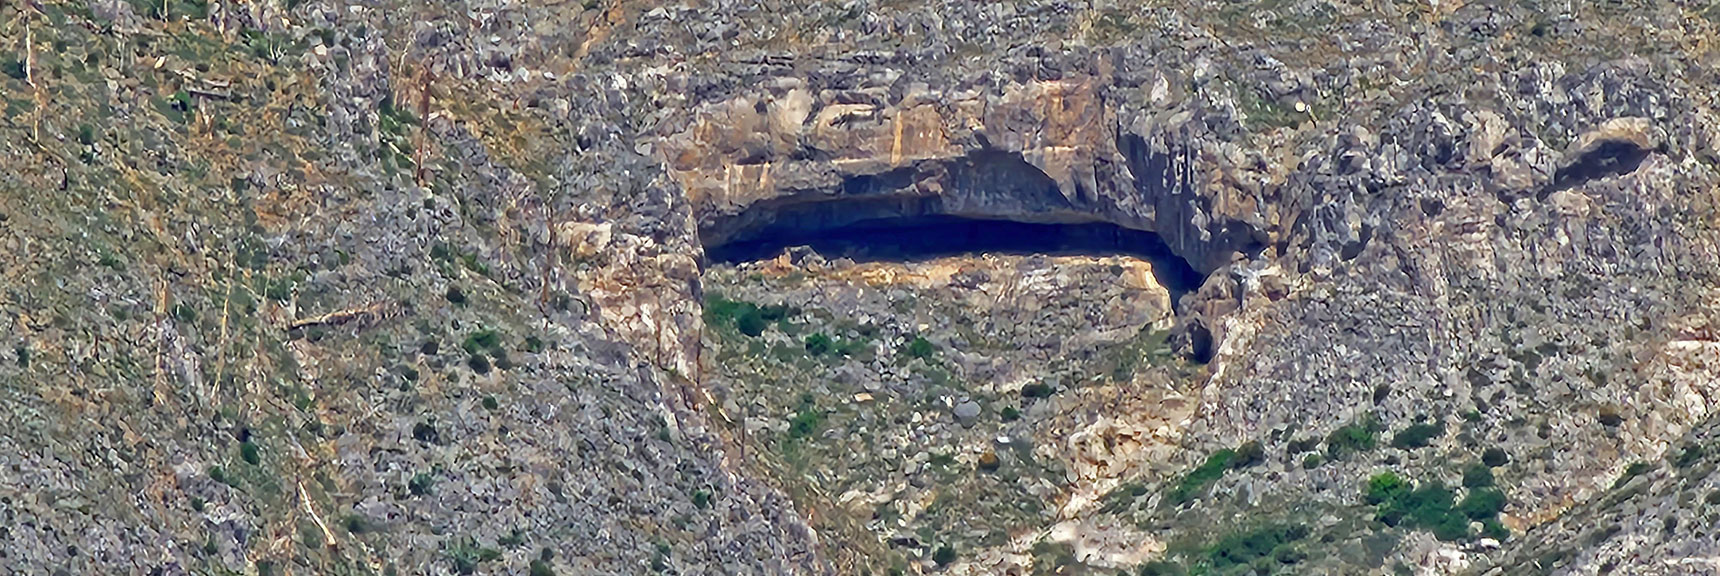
(1302, 286)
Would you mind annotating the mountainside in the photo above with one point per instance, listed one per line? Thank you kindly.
(868, 287)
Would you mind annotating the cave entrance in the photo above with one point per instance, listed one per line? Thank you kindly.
(935, 236)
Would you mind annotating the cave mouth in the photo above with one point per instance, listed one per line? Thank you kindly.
(936, 236)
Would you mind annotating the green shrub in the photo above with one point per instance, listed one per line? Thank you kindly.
(248, 452)
(702, 498)
(1010, 414)
(1430, 505)
(1312, 461)
(1352, 438)
(1248, 454)
(541, 568)
(1494, 457)
(468, 554)
(818, 344)
(1160, 568)
(1417, 436)
(421, 484)
(1482, 503)
(426, 432)
(944, 555)
(751, 322)
(805, 422)
(1192, 485)
(920, 348)
(490, 403)
(1036, 390)
(1631, 472)
(478, 363)
(13, 67)
(1477, 475)
(482, 340)
(748, 318)
(1243, 548)
(455, 296)
(1492, 528)
(1386, 487)
(1301, 445)
(1689, 456)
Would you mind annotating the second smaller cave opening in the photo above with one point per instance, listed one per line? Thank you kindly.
(936, 236)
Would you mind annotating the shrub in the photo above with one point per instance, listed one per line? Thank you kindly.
(455, 296)
(421, 484)
(1482, 503)
(1200, 478)
(478, 363)
(1036, 390)
(1160, 568)
(1243, 548)
(702, 498)
(1494, 457)
(426, 432)
(920, 348)
(541, 568)
(1312, 461)
(1430, 505)
(1631, 472)
(1301, 445)
(1417, 436)
(819, 344)
(1248, 454)
(1352, 438)
(1386, 487)
(805, 422)
(944, 555)
(751, 323)
(14, 68)
(490, 403)
(248, 452)
(1477, 475)
(482, 340)
(1010, 414)
(1689, 456)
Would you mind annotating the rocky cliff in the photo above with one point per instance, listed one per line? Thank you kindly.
(303, 286)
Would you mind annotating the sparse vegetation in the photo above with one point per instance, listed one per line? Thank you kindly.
(466, 555)
(421, 484)
(1036, 390)
(1417, 435)
(747, 318)
(1432, 506)
(1248, 454)
(248, 452)
(1494, 457)
(919, 348)
(944, 555)
(1196, 482)
(426, 432)
(818, 344)
(1352, 438)
(1275, 542)
(1477, 475)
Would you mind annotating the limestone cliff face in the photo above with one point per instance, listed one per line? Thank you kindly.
(812, 158)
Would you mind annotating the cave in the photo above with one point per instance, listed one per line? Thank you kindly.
(934, 236)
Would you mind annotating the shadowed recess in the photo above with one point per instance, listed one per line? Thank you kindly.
(925, 237)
